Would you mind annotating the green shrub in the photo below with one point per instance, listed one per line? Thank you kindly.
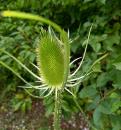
(100, 94)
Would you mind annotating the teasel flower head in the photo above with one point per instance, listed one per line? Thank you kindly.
(50, 61)
(53, 63)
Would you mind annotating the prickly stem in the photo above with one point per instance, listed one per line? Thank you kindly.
(57, 111)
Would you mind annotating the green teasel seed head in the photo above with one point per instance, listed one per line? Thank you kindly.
(50, 60)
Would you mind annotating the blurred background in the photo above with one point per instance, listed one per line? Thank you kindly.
(99, 95)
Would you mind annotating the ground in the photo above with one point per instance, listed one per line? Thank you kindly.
(35, 119)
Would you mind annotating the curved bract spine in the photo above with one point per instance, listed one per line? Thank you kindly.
(23, 15)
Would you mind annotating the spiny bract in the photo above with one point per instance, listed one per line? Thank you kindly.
(50, 60)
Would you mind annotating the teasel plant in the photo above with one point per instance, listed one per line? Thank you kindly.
(53, 64)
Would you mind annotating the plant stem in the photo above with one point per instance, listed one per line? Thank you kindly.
(57, 111)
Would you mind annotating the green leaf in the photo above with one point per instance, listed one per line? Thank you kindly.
(23, 107)
(19, 96)
(49, 109)
(97, 117)
(115, 101)
(96, 46)
(105, 107)
(96, 68)
(94, 103)
(17, 106)
(65, 106)
(12, 70)
(88, 91)
(102, 79)
(100, 120)
(19, 62)
(117, 62)
(103, 1)
(118, 65)
(116, 79)
(116, 105)
(116, 122)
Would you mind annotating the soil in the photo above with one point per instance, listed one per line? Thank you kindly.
(35, 119)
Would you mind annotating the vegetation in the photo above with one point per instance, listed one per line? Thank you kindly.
(98, 97)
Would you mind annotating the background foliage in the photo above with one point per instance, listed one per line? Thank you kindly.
(100, 94)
